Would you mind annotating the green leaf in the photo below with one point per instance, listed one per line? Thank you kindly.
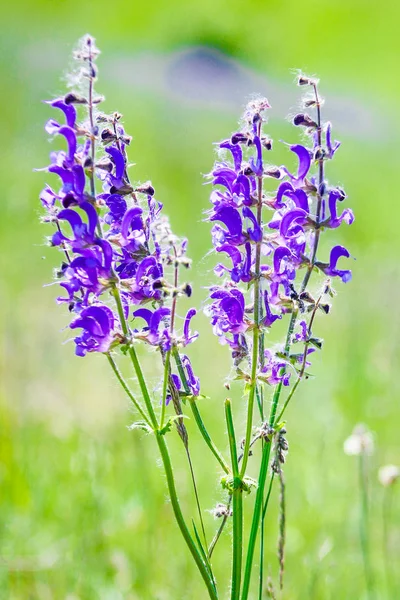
(141, 425)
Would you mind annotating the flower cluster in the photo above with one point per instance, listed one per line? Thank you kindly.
(261, 277)
(116, 243)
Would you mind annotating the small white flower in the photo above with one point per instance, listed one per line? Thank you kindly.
(361, 441)
(388, 474)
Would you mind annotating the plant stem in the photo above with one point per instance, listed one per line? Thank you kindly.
(386, 510)
(124, 385)
(165, 458)
(180, 519)
(237, 496)
(134, 359)
(165, 387)
(256, 331)
(263, 473)
(364, 525)
(196, 414)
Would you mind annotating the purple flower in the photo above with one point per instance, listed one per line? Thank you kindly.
(304, 165)
(227, 311)
(331, 148)
(156, 332)
(83, 233)
(188, 336)
(347, 215)
(192, 380)
(274, 369)
(97, 322)
(330, 269)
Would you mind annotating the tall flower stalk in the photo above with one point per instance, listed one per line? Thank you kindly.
(266, 255)
(121, 279)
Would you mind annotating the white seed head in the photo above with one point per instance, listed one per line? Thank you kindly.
(388, 475)
(361, 441)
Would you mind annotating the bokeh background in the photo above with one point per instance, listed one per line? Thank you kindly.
(83, 508)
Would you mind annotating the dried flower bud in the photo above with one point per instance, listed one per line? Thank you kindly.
(274, 172)
(88, 164)
(239, 137)
(304, 120)
(267, 143)
(124, 190)
(187, 290)
(108, 136)
(325, 308)
(73, 98)
(319, 153)
(304, 80)
(309, 102)
(105, 165)
(145, 188)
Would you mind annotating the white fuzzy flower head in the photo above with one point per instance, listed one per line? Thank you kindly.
(388, 475)
(360, 442)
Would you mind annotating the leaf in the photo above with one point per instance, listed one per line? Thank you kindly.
(168, 425)
(141, 425)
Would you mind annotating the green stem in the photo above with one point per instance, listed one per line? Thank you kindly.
(271, 481)
(135, 361)
(237, 495)
(180, 519)
(386, 509)
(256, 331)
(263, 473)
(206, 436)
(165, 387)
(197, 417)
(124, 385)
(364, 526)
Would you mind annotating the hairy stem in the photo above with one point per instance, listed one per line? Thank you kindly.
(256, 331)
(196, 414)
(237, 497)
(125, 387)
(165, 387)
(180, 519)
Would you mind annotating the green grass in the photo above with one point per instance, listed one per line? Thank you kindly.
(83, 508)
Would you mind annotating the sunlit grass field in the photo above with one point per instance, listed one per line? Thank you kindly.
(83, 507)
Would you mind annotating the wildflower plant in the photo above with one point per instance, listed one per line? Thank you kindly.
(123, 272)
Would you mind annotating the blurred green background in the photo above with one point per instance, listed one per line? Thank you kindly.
(83, 509)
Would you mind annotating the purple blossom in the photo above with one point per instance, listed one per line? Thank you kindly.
(97, 323)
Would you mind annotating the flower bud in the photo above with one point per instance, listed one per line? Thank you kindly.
(72, 98)
(304, 120)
